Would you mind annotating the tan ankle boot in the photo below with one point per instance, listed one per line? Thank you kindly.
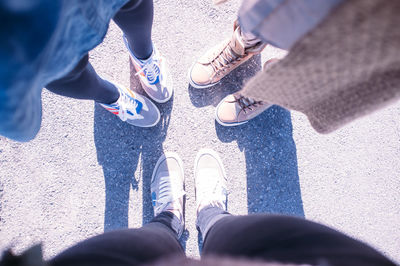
(221, 60)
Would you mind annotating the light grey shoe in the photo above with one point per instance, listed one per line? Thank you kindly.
(134, 108)
(153, 74)
(167, 185)
(210, 180)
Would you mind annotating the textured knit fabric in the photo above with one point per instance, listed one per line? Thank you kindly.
(41, 41)
(347, 67)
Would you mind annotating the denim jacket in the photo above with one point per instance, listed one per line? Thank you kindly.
(41, 41)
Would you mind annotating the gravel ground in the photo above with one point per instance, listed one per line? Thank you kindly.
(86, 172)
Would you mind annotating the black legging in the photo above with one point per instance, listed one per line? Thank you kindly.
(263, 237)
(136, 20)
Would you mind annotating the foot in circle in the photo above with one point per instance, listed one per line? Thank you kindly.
(210, 180)
(222, 59)
(167, 186)
(153, 75)
(236, 109)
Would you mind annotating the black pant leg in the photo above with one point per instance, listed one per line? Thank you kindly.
(123, 247)
(84, 83)
(136, 21)
(287, 240)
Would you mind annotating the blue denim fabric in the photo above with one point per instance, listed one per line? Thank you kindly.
(41, 41)
(283, 22)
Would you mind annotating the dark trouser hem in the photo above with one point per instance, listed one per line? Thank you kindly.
(171, 221)
(155, 240)
(207, 217)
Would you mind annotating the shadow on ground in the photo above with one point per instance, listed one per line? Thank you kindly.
(122, 150)
(267, 141)
(119, 147)
(271, 162)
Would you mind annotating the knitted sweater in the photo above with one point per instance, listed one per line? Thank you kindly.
(346, 67)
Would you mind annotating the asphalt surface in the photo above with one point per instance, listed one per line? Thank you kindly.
(87, 172)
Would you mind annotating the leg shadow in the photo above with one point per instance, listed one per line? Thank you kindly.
(271, 161)
(118, 153)
(119, 147)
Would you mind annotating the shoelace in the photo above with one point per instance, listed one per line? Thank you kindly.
(151, 69)
(211, 189)
(217, 197)
(246, 103)
(165, 197)
(225, 58)
(127, 103)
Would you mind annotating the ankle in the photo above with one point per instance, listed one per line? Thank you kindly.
(176, 208)
(216, 204)
(247, 38)
(177, 213)
(143, 56)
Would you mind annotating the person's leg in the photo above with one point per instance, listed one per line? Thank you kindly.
(153, 241)
(84, 83)
(211, 192)
(267, 237)
(288, 240)
(136, 20)
(167, 190)
(207, 217)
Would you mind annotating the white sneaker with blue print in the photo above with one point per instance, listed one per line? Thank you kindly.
(134, 108)
(167, 185)
(153, 74)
